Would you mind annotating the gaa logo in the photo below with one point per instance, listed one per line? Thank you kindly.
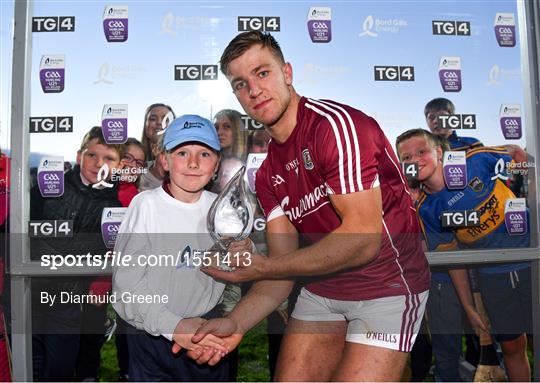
(52, 74)
(454, 170)
(394, 73)
(320, 25)
(259, 23)
(195, 72)
(505, 30)
(115, 124)
(50, 177)
(451, 28)
(511, 122)
(116, 24)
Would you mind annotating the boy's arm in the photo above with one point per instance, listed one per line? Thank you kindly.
(460, 279)
(130, 283)
(130, 276)
(129, 279)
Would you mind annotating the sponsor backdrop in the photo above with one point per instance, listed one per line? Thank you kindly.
(97, 63)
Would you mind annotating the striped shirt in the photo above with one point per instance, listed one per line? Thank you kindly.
(335, 149)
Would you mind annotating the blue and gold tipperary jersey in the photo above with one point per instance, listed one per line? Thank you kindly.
(486, 193)
(463, 143)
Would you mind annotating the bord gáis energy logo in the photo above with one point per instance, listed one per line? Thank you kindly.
(103, 174)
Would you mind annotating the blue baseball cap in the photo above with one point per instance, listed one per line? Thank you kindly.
(191, 127)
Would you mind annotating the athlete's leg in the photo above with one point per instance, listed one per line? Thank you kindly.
(515, 359)
(381, 333)
(310, 351)
(361, 362)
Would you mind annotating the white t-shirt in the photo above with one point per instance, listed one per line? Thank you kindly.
(158, 227)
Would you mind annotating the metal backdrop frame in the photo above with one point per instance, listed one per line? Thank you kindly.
(22, 270)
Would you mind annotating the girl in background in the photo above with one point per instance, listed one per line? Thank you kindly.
(232, 141)
(156, 119)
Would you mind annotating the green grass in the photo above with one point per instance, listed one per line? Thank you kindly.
(253, 360)
(109, 366)
(252, 367)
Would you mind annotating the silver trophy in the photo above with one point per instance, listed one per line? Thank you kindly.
(231, 216)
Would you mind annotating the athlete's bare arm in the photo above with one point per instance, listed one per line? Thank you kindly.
(263, 297)
(266, 295)
(353, 243)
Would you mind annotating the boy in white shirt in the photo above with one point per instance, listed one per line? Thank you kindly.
(161, 289)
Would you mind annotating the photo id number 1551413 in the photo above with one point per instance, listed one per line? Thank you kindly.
(220, 260)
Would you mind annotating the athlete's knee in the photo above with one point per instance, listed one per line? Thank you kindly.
(514, 347)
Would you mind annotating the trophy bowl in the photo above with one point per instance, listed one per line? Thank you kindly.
(230, 217)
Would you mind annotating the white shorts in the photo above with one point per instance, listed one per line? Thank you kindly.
(390, 322)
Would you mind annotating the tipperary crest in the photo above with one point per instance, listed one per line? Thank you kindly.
(476, 184)
(308, 163)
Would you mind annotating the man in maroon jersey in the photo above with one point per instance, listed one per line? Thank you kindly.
(332, 177)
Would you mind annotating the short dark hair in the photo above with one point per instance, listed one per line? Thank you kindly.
(438, 104)
(96, 133)
(434, 139)
(245, 40)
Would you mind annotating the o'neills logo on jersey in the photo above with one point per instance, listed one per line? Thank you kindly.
(383, 337)
(305, 204)
(292, 165)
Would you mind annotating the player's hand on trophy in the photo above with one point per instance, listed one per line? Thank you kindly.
(225, 328)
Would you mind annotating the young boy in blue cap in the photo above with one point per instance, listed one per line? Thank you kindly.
(161, 291)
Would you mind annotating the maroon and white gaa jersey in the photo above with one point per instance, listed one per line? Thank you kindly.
(336, 149)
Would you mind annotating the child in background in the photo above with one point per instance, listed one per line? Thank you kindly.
(232, 141)
(134, 164)
(505, 288)
(61, 329)
(135, 160)
(156, 118)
